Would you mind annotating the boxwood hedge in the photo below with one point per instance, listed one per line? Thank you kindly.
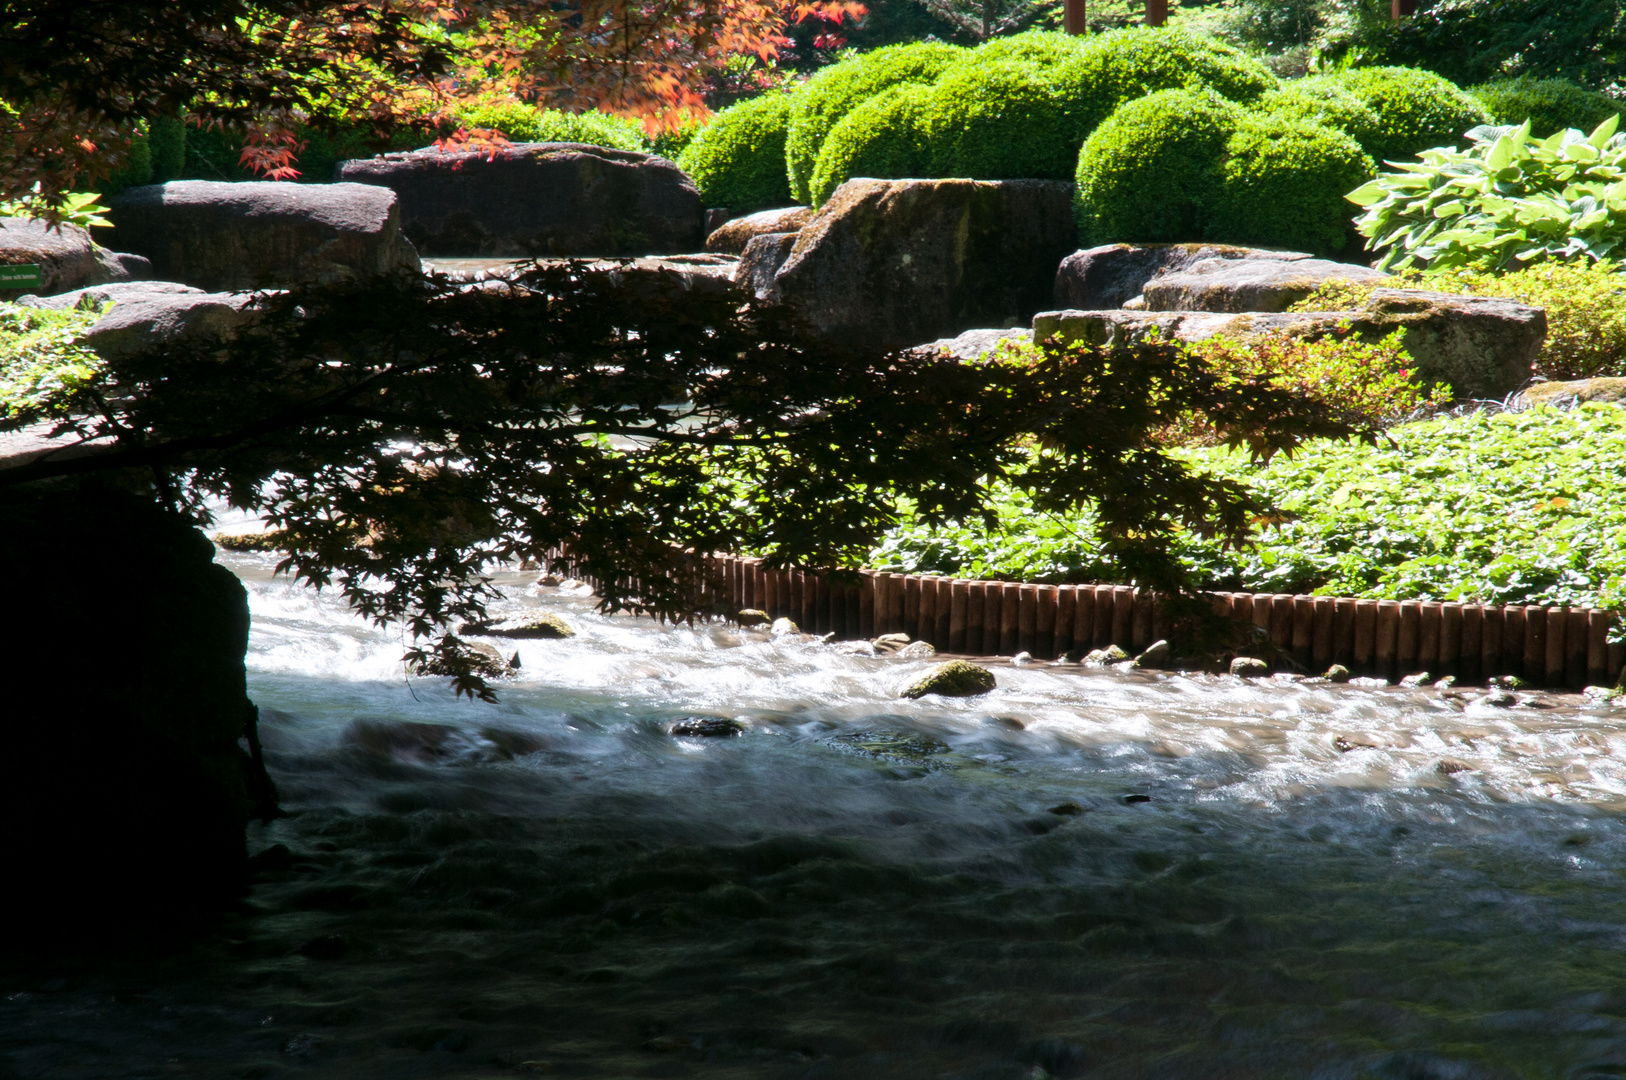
(1283, 184)
(840, 88)
(738, 160)
(1046, 47)
(527, 123)
(1318, 102)
(1550, 104)
(882, 137)
(998, 122)
(1416, 109)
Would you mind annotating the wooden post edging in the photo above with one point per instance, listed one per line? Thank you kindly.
(1546, 646)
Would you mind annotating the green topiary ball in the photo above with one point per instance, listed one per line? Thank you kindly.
(998, 122)
(1152, 169)
(840, 88)
(1283, 184)
(881, 138)
(1317, 102)
(1122, 65)
(1416, 109)
(1550, 104)
(527, 123)
(738, 160)
(1043, 47)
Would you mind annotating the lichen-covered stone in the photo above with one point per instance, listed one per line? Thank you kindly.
(483, 660)
(893, 263)
(957, 678)
(1110, 275)
(705, 727)
(1112, 654)
(1611, 391)
(1250, 284)
(223, 237)
(732, 236)
(1249, 667)
(1158, 655)
(752, 617)
(538, 199)
(541, 624)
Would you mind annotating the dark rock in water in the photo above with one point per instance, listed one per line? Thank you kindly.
(1105, 657)
(1135, 797)
(893, 263)
(538, 199)
(67, 257)
(543, 624)
(957, 678)
(706, 727)
(890, 643)
(906, 747)
(1157, 656)
(1249, 667)
(231, 236)
(1338, 673)
(159, 721)
(484, 661)
(732, 237)
(752, 617)
(1066, 809)
(917, 650)
(436, 744)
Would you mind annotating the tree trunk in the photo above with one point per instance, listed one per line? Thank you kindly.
(1399, 9)
(1157, 11)
(1074, 17)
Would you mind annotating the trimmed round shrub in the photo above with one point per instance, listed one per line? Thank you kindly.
(1316, 102)
(881, 138)
(527, 123)
(1283, 184)
(1549, 104)
(840, 88)
(1152, 169)
(998, 122)
(1416, 109)
(738, 160)
(1034, 46)
(1123, 65)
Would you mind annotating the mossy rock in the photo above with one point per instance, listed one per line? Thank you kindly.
(540, 625)
(483, 660)
(268, 540)
(957, 678)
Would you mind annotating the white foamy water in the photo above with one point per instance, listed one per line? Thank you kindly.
(1084, 873)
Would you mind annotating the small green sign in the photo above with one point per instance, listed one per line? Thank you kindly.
(24, 276)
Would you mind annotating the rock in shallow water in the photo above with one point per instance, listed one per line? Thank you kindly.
(543, 624)
(957, 678)
(705, 727)
(1249, 667)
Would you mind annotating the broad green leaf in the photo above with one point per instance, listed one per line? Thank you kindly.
(1601, 134)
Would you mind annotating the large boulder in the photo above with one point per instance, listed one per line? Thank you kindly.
(1605, 390)
(731, 237)
(530, 200)
(1254, 284)
(974, 344)
(892, 263)
(141, 315)
(760, 262)
(66, 255)
(227, 236)
(1482, 347)
(1111, 275)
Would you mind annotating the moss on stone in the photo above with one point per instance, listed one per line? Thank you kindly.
(957, 678)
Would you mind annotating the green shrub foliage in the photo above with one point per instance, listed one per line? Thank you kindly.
(1416, 109)
(882, 137)
(1549, 104)
(999, 122)
(738, 160)
(1317, 101)
(527, 123)
(1044, 47)
(840, 88)
(1507, 201)
(137, 168)
(1283, 185)
(1117, 67)
(166, 136)
(1152, 170)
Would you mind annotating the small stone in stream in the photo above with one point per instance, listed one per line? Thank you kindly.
(1067, 809)
(1445, 682)
(540, 625)
(888, 643)
(549, 581)
(1448, 766)
(857, 648)
(260, 540)
(752, 617)
(1499, 698)
(1156, 657)
(1249, 667)
(1509, 682)
(1134, 798)
(569, 583)
(1601, 693)
(483, 661)
(916, 650)
(1422, 678)
(1102, 657)
(782, 627)
(1345, 743)
(705, 727)
(1022, 659)
(1338, 673)
(957, 678)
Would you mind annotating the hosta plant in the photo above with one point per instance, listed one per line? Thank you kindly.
(1507, 201)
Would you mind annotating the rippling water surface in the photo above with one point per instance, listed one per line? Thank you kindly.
(1085, 873)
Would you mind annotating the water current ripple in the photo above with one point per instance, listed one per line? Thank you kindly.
(1085, 873)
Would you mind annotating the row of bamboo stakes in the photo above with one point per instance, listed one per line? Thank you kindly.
(1547, 646)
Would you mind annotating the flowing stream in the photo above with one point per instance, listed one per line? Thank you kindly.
(1085, 873)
